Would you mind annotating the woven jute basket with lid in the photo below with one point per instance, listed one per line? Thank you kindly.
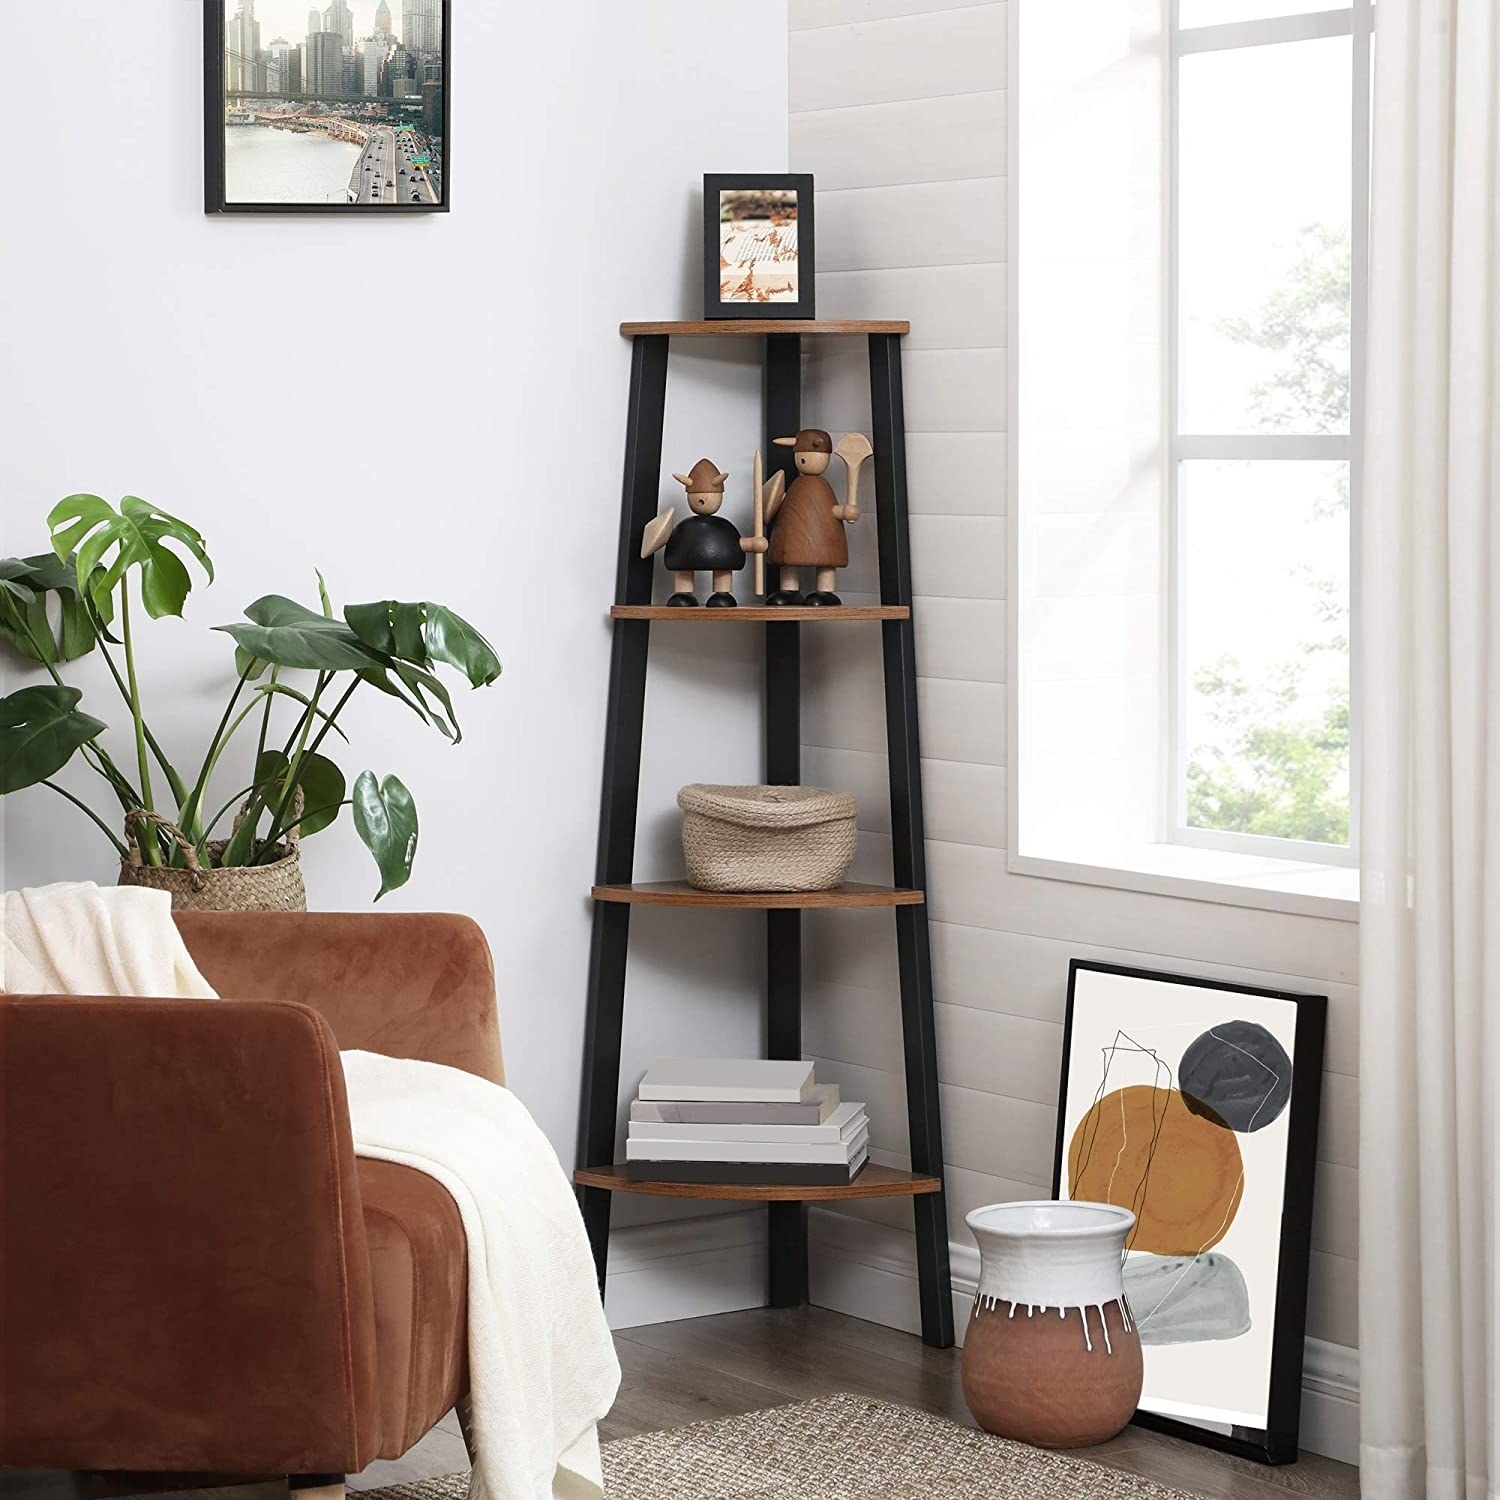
(271, 887)
(766, 838)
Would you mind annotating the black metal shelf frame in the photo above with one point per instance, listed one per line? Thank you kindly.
(788, 1264)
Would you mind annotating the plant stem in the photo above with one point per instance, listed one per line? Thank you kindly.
(265, 719)
(294, 769)
(89, 813)
(179, 789)
(127, 794)
(213, 822)
(188, 814)
(338, 708)
(241, 849)
(150, 849)
(316, 812)
(277, 831)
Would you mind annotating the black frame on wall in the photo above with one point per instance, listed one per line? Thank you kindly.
(1277, 1443)
(214, 201)
(800, 183)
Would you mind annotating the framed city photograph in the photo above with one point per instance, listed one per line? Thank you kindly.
(758, 248)
(340, 107)
(1194, 1103)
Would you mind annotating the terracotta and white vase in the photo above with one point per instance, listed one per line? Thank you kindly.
(1051, 1355)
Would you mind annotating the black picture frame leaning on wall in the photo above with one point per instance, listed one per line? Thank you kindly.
(1277, 1441)
(718, 188)
(215, 201)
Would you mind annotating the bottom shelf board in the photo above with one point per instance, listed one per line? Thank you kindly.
(873, 1182)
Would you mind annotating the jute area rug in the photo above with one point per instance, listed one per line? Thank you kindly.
(835, 1448)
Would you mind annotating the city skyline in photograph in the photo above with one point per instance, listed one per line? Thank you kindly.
(288, 20)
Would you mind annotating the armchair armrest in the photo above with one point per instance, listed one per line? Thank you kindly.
(184, 1282)
(408, 984)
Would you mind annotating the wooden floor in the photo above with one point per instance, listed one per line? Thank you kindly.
(676, 1373)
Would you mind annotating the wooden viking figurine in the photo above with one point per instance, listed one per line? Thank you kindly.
(808, 521)
(704, 543)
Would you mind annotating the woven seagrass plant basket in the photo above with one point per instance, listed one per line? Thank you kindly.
(766, 838)
(276, 886)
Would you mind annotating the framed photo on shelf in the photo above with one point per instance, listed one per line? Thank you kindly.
(342, 107)
(1194, 1103)
(758, 245)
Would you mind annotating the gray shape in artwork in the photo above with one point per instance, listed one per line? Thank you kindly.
(1236, 1074)
(1187, 1299)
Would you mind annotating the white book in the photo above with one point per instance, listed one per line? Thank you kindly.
(753, 1080)
(825, 1099)
(756, 1151)
(844, 1122)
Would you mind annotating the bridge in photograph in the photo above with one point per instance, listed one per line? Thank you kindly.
(407, 101)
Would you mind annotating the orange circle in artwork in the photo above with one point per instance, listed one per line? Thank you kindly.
(1181, 1173)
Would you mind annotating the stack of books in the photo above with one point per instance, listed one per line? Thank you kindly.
(731, 1120)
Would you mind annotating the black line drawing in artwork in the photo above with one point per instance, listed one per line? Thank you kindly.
(1159, 1066)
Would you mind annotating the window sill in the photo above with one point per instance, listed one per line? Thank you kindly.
(1226, 879)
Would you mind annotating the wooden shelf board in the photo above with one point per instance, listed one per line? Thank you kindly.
(680, 893)
(750, 614)
(873, 1182)
(759, 327)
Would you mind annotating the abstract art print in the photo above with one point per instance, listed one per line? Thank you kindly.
(1195, 1105)
(758, 245)
(326, 108)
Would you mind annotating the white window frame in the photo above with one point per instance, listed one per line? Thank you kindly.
(1257, 873)
(1356, 22)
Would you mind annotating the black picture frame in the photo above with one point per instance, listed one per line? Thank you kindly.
(801, 183)
(1277, 1443)
(214, 186)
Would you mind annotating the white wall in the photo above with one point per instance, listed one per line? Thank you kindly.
(899, 108)
(243, 372)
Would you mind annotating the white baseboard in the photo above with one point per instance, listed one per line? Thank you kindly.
(686, 1268)
(869, 1271)
(1330, 1400)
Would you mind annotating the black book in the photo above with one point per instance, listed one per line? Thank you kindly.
(778, 1174)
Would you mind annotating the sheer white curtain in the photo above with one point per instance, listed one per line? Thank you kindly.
(1430, 908)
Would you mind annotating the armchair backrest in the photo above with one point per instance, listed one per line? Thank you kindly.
(414, 985)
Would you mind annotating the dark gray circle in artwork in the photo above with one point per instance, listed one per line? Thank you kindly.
(1236, 1074)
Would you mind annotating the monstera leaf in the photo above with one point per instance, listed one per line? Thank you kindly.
(425, 635)
(322, 794)
(16, 580)
(386, 818)
(251, 668)
(26, 583)
(108, 542)
(287, 634)
(322, 786)
(40, 729)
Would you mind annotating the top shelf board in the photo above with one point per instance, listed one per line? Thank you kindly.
(719, 328)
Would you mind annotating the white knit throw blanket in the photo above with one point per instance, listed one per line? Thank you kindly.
(79, 939)
(542, 1366)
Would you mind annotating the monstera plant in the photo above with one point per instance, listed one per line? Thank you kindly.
(296, 671)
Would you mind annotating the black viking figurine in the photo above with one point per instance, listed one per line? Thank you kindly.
(703, 543)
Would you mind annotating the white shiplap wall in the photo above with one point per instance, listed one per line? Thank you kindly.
(899, 108)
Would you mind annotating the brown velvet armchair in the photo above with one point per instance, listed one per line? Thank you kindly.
(196, 1274)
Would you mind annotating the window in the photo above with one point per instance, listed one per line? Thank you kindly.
(1189, 189)
(1269, 140)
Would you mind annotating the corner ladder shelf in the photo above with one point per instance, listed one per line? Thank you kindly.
(615, 892)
